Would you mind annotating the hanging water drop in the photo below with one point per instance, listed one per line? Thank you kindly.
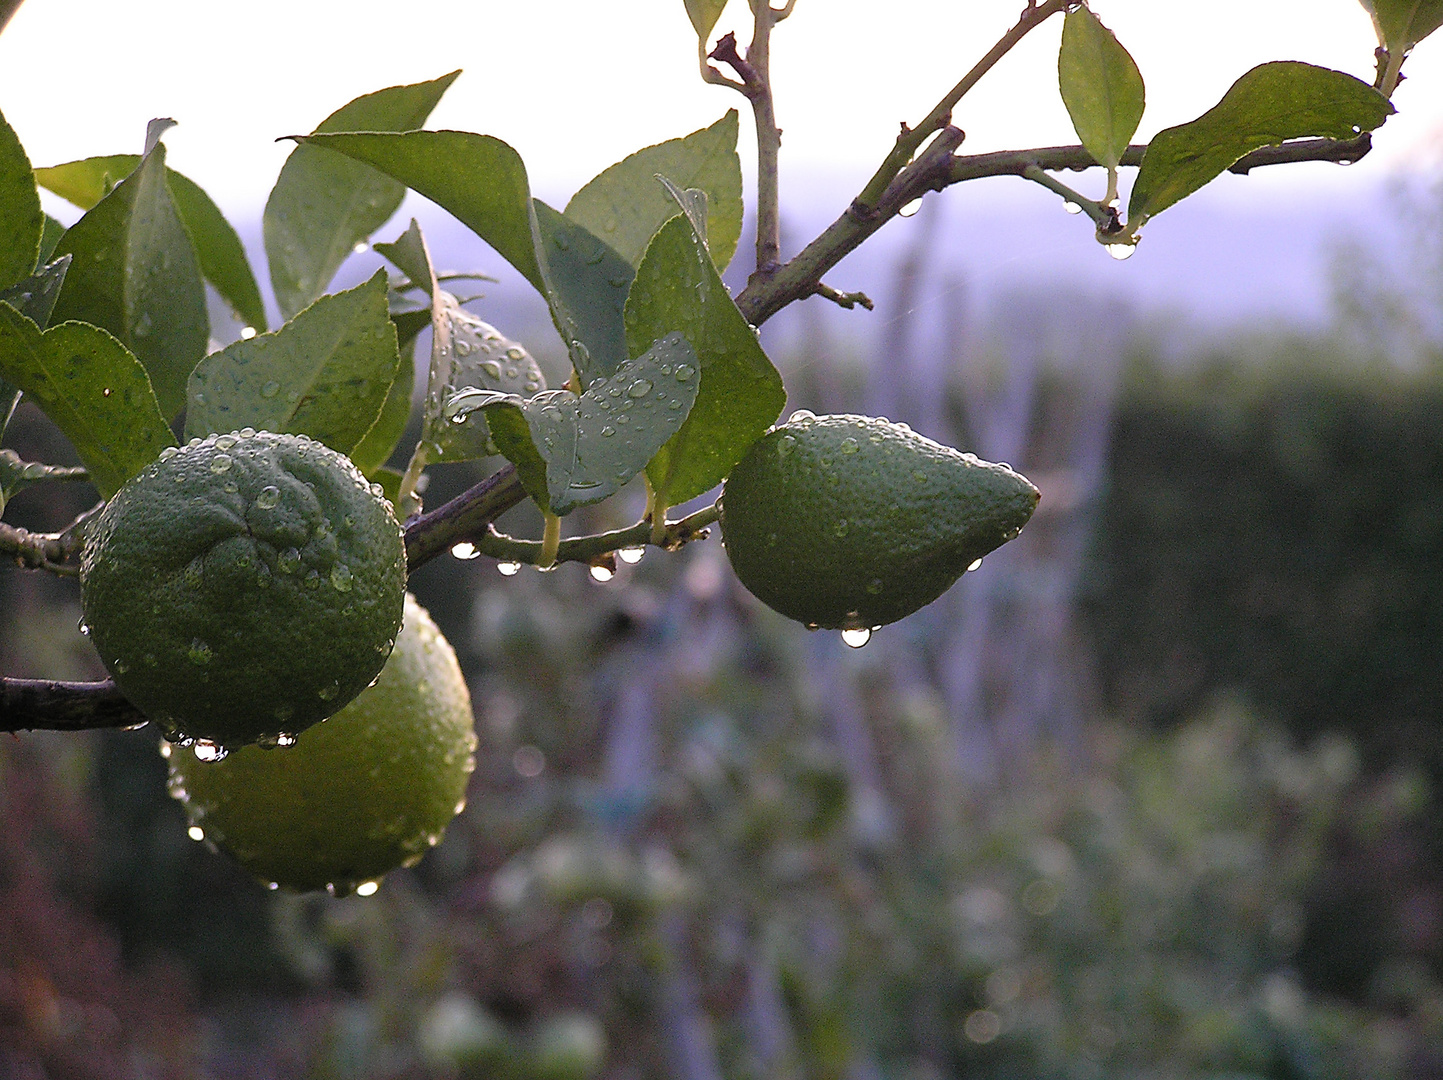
(856, 637)
(631, 555)
(911, 208)
(1121, 252)
(206, 750)
(465, 551)
(602, 573)
(508, 569)
(367, 888)
(1072, 207)
(976, 564)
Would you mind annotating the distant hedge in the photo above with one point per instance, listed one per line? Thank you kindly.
(1280, 533)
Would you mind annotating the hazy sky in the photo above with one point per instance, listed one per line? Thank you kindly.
(577, 84)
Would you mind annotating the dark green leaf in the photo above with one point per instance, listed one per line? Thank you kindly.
(589, 283)
(704, 14)
(136, 275)
(594, 443)
(381, 441)
(1269, 105)
(323, 204)
(677, 288)
(325, 374)
(409, 254)
(94, 390)
(1402, 24)
(467, 353)
(624, 206)
(1101, 86)
(21, 221)
(35, 299)
(48, 239)
(409, 325)
(222, 256)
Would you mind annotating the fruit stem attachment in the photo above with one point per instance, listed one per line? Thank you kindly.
(550, 541)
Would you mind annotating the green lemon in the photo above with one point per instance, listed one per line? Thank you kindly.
(370, 789)
(244, 586)
(850, 522)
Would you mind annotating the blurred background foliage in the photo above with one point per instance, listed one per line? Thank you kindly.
(1153, 794)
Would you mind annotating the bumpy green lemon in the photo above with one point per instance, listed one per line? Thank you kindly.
(244, 586)
(370, 789)
(850, 522)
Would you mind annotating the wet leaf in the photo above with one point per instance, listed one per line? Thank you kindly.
(324, 204)
(34, 298)
(21, 221)
(136, 275)
(94, 390)
(624, 206)
(592, 444)
(678, 289)
(1269, 105)
(589, 282)
(1101, 86)
(326, 373)
(222, 257)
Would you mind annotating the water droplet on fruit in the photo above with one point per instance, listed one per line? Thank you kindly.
(328, 693)
(801, 416)
(849, 445)
(785, 445)
(250, 433)
(199, 653)
(857, 637)
(465, 551)
(367, 888)
(288, 561)
(602, 573)
(168, 453)
(976, 564)
(196, 833)
(508, 569)
(220, 463)
(206, 750)
(83, 628)
(341, 577)
(874, 586)
(378, 491)
(269, 496)
(270, 389)
(839, 530)
(608, 431)
(631, 555)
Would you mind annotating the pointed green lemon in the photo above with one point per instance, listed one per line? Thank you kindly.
(850, 522)
(372, 788)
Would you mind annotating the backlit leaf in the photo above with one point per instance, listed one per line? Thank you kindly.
(136, 275)
(1269, 105)
(1401, 24)
(323, 204)
(94, 390)
(704, 14)
(34, 298)
(1101, 86)
(21, 221)
(624, 206)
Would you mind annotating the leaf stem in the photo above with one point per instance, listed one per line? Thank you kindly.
(1104, 217)
(587, 549)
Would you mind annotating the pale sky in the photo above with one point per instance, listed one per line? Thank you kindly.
(577, 84)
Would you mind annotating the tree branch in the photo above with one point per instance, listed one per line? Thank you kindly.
(465, 519)
(44, 704)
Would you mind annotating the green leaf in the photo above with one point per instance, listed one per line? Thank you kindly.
(1269, 105)
(51, 235)
(409, 325)
(409, 255)
(677, 288)
(1401, 24)
(222, 257)
(326, 373)
(624, 206)
(323, 204)
(594, 443)
(385, 435)
(35, 299)
(21, 221)
(704, 14)
(467, 353)
(1101, 86)
(94, 390)
(588, 286)
(136, 275)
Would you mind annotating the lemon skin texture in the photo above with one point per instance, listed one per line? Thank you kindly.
(244, 586)
(372, 788)
(848, 522)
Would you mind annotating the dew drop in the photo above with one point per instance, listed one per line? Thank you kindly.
(359, 246)
(220, 463)
(250, 433)
(1121, 252)
(142, 325)
(801, 416)
(83, 628)
(911, 208)
(206, 750)
(608, 431)
(874, 586)
(857, 636)
(1072, 208)
(602, 573)
(341, 577)
(463, 347)
(639, 389)
(196, 833)
(508, 569)
(785, 445)
(976, 564)
(684, 372)
(269, 496)
(270, 389)
(247, 332)
(631, 555)
(168, 453)
(378, 491)
(328, 693)
(367, 888)
(849, 445)
(465, 551)
(288, 561)
(199, 653)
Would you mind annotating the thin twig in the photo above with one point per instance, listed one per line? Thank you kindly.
(847, 300)
(48, 705)
(57, 553)
(465, 518)
(588, 549)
